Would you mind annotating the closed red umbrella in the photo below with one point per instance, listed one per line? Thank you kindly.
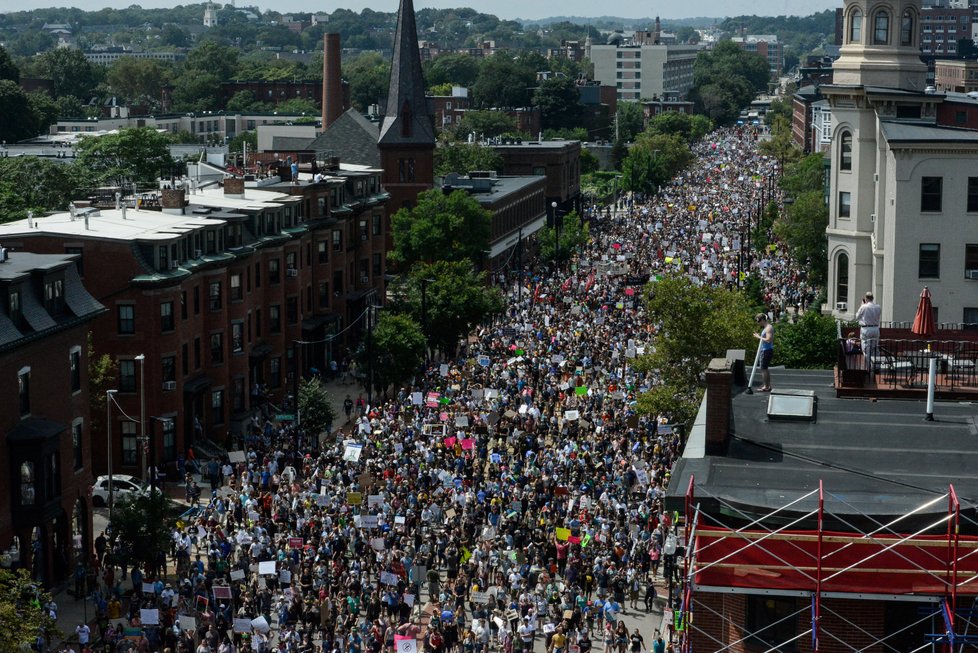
(923, 321)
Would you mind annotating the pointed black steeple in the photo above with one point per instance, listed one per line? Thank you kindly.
(407, 120)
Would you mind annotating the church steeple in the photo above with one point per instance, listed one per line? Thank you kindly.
(881, 45)
(407, 120)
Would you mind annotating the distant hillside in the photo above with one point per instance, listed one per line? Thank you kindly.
(617, 22)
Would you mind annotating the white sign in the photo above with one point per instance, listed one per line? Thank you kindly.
(237, 574)
(352, 453)
(443, 369)
(388, 578)
(260, 624)
(266, 568)
(409, 645)
(149, 617)
(375, 500)
(242, 625)
(187, 623)
(236, 456)
(480, 597)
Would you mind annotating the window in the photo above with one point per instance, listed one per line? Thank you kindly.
(183, 304)
(769, 622)
(337, 282)
(129, 444)
(185, 359)
(15, 309)
(168, 364)
(237, 292)
(196, 300)
(323, 294)
(164, 256)
(377, 266)
(217, 407)
(74, 367)
(845, 151)
(217, 348)
(845, 204)
(197, 353)
(842, 278)
(127, 319)
(28, 494)
(169, 439)
(127, 375)
(906, 28)
(291, 261)
(273, 271)
(881, 29)
(257, 275)
(855, 27)
(238, 395)
(377, 224)
(970, 318)
(166, 316)
(337, 240)
(76, 443)
(292, 310)
(972, 194)
(275, 318)
(214, 295)
(54, 296)
(24, 390)
(322, 247)
(929, 261)
(275, 372)
(971, 259)
(237, 337)
(930, 193)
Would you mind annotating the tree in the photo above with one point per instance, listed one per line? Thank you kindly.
(23, 616)
(173, 36)
(503, 82)
(781, 145)
(559, 102)
(726, 79)
(196, 91)
(631, 120)
(44, 110)
(18, 121)
(138, 154)
(368, 75)
(440, 227)
(687, 34)
(316, 412)
(8, 69)
(101, 378)
(454, 299)
(573, 234)
(246, 101)
(69, 107)
(36, 184)
(298, 105)
(809, 343)
(690, 127)
(215, 59)
(138, 81)
(455, 156)
(453, 69)
(802, 228)
(395, 353)
(654, 160)
(485, 124)
(70, 72)
(141, 523)
(440, 90)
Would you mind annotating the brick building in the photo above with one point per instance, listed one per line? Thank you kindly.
(45, 511)
(558, 160)
(219, 294)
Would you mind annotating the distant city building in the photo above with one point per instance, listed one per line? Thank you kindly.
(643, 71)
(766, 45)
(959, 75)
(107, 57)
(942, 28)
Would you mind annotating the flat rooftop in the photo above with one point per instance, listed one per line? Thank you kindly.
(875, 456)
(109, 224)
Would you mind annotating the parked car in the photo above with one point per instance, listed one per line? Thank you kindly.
(123, 486)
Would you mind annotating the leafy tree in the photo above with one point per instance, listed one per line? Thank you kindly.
(573, 234)
(559, 102)
(18, 121)
(680, 405)
(196, 91)
(30, 43)
(804, 175)
(22, 613)
(43, 109)
(631, 120)
(236, 144)
(215, 59)
(173, 36)
(456, 156)
(137, 155)
(781, 145)
(802, 228)
(809, 343)
(726, 79)
(246, 101)
(453, 69)
(397, 350)
(503, 82)
(589, 162)
(101, 378)
(298, 105)
(142, 523)
(690, 127)
(69, 107)
(32, 183)
(70, 72)
(779, 107)
(316, 412)
(368, 75)
(440, 90)
(137, 80)
(653, 161)
(687, 34)
(485, 124)
(457, 298)
(440, 227)
(8, 69)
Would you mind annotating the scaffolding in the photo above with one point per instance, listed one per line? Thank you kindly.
(779, 553)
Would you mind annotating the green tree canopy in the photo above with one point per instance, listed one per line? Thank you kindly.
(653, 160)
(726, 79)
(8, 69)
(137, 80)
(440, 227)
(803, 175)
(298, 105)
(559, 101)
(215, 59)
(781, 145)
(142, 523)
(196, 91)
(573, 234)
(802, 228)
(22, 613)
(18, 120)
(809, 343)
(485, 124)
(631, 120)
(396, 351)
(137, 154)
(690, 127)
(455, 69)
(503, 83)
(36, 184)
(457, 156)
(70, 72)
(368, 75)
(457, 298)
(316, 412)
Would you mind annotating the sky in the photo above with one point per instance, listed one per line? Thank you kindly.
(501, 8)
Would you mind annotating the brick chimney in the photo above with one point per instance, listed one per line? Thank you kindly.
(234, 187)
(173, 200)
(719, 400)
(332, 80)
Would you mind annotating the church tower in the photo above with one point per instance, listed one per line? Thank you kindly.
(878, 78)
(407, 131)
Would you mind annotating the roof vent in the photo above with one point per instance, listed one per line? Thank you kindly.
(792, 406)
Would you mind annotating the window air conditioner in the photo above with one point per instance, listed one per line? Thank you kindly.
(169, 385)
(842, 307)
(364, 279)
(292, 272)
(971, 274)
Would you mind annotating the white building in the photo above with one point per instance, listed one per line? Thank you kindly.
(643, 72)
(903, 189)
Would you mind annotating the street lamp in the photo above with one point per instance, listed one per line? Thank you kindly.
(142, 408)
(557, 212)
(109, 398)
(165, 421)
(371, 323)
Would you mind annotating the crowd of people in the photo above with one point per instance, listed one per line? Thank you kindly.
(511, 497)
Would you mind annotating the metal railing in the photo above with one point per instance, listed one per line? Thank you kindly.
(906, 362)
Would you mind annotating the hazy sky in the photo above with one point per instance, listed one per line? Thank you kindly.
(501, 8)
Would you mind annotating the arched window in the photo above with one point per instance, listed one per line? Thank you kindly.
(845, 151)
(906, 28)
(842, 280)
(881, 29)
(856, 27)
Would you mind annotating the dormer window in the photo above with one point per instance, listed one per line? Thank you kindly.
(54, 296)
(164, 256)
(14, 309)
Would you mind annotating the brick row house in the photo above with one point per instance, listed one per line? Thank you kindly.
(45, 315)
(220, 290)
